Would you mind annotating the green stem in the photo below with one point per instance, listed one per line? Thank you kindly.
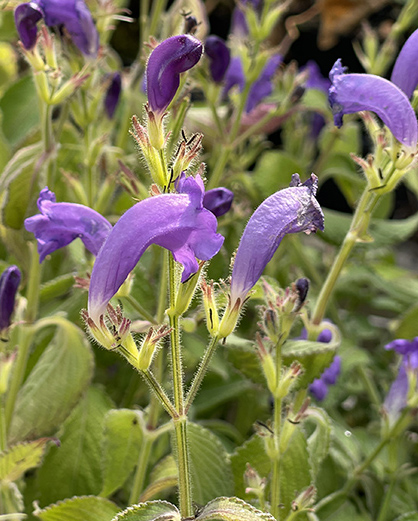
(369, 385)
(3, 430)
(141, 468)
(384, 509)
(185, 486)
(218, 171)
(157, 8)
(34, 282)
(159, 391)
(275, 481)
(200, 374)
(141, 310)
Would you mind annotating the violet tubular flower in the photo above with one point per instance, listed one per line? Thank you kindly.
(219, 57)
(113, 94)
(58, 224)
(290, 210)
(351, 93)
(166, 62)
(405, 71)
(74, 15)
(9, 282)
(177, 222)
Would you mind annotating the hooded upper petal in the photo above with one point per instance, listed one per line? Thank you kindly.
(219, 57)
(9, 282)
(405, 70)
(355, 92)
(177, 222)
(26, 18)
(166, 62)
(58, 224)
(291, 210)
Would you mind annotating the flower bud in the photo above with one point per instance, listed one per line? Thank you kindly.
(186, 291)
(149, 346)
(219, 57)
(218, 200)
(113, 94)
(211, 312)
(9, 282)
(26, 18)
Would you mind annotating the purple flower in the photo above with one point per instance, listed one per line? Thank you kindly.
(113, 94)
(405, 71)
(58, 224)
(218, 200)
(234, 76)
(355, 92)
(167, 61)
(219, 57)
(9, 282)
(397, 396)
(72, 14)
(319, 387)
(263, 87)
(315, 79)
(239, 26)
(291, 210)
(177, 222)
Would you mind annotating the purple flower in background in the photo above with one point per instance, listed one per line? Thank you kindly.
(9, 282)
(291, 210)
(397, 396)
(315, 79)
(58, 224)
(405, 71)
(218, 200)
(177, 222)
(166, 62)
(219, 57)
(239, 26)
(72, 14)
(234, 76)
(263, 87)
(113, 94)
(319, 387)
(351, 93)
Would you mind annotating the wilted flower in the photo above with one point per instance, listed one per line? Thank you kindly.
(167, 61)
(72, 14)
(319, 387)
(219, 57)
(177, 222)
(405, 71)
(58, 224)
(113, 94)
(9, 282)
(351, 93)
(218, 200)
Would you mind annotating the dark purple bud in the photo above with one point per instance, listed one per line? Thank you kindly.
(302, 288)
(190, 24)
(219, 57)
(263, 87)
(318, 389)
(9, 282)
(26, 18)
(218, 200)
(165, 64)
(113, 94)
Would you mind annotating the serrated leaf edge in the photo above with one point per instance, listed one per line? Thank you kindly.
(236, 502)
(38, 510)
(133, 508)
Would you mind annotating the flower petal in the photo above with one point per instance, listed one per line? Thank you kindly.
(9, 282)
(234, 76)
(26, 18)
(291, 210)
(58, 224)
(218, 200)
(219, 57)
(405, 71)
(113, 94)
(263, 87)
(355, 92)
(177, 222)
(167, 61)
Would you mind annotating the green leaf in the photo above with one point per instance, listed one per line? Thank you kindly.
(84, 508)
(150, 511)
(241, 354)
(407, 326)
(163, 477)
(252, 452)
(19, 105)
(274, 170)
(75, 468)
(210, 465)
(232, 509)
(21, 457)
(122, 440)
(55, 384)
(56, 287)
(17, 184)
(319, 441)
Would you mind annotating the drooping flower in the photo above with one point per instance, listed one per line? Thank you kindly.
(405, 71)
(166, 62)
(290, 210)
(218, 200)
(397, 396)
(219, 57)
(263, 87)
(177, 222)
(9, 282)
(58, 224)
(74, 15)
(113, 94)
(319, 387)
(351, 93)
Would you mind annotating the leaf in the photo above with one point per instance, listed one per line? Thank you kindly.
(274, 169)
(55, 384)
(122, 441)
(243, 357)
(19, 105)
(210, 465)
(319, 441)
(163, 477)
(75, 468)
(84, 508)
(232, 509)
(21, 457)
(150, 511)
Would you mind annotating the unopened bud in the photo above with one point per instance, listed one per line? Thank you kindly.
(267, 364)
(254, 484)
(149, 346)
(230, 318)
(304, 500)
